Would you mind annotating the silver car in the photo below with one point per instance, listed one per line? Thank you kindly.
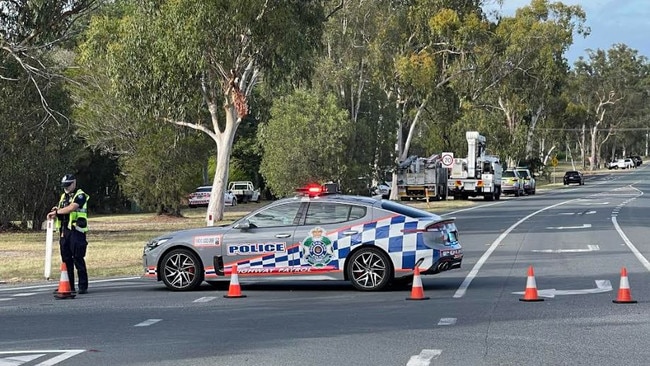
(367, 241)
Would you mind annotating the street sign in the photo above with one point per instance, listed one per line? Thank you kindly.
(554, 161)
(447, 159)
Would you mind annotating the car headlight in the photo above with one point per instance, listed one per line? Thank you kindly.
(155, 243)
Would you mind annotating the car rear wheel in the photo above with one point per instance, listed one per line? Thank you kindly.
(369, 269)
(181, 270)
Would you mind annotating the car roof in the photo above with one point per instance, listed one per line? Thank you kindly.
(387, 205)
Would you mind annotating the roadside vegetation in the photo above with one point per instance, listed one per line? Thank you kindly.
(145, 101)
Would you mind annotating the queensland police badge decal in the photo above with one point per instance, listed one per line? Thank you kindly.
(317, 248)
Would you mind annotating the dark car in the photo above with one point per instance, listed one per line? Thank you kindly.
(573, 176)
(316, 235)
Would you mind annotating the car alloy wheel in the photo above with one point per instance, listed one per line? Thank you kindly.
(369, 269)
(181, 270)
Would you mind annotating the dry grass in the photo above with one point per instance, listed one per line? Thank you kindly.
(116, 242)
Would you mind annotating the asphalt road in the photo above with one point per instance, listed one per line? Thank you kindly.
(577, 239)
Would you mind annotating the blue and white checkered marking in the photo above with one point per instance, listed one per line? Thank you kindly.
(404, 248)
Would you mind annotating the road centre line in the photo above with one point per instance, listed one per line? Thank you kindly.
(205, 299)
(472, 274)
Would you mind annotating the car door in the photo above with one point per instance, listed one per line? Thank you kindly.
(326, 235)
(263, 243)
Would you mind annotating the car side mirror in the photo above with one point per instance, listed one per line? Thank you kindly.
(243, 225)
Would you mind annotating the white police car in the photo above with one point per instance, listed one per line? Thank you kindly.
(314, 235)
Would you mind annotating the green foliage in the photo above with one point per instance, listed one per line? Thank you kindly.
(304, 141)
(156, 183)
(34, 151)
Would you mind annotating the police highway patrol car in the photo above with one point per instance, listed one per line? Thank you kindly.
(315, 235)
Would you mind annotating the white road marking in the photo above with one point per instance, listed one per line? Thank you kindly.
(447, 321)
(205, 299)
(583, 226)
(147, 322)
(6, 299)
(472, 274)
(19, 360)
(601, 286)
(629, 244)
(424, 358)
(590, 248)
(25, 294)
(55, 285)
(62, 355)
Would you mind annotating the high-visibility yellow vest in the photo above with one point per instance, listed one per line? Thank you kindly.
(81, 212)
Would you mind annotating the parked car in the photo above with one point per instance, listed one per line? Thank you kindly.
(530, 185)
(382, 189)
(573, 176)
(314, 235)
(201, 197)
(636, 159)
(512, 183)
(612, 164)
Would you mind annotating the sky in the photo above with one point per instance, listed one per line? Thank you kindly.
(611, 22)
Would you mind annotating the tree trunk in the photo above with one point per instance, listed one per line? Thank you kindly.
(224, 145)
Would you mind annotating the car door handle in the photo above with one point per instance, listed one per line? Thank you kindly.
(282, 235)
(350, 232)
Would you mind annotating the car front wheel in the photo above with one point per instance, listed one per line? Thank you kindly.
(369, 269)
(181, 270)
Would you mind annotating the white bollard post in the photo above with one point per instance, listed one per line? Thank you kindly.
(49, 238)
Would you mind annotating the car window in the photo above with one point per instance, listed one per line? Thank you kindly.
(280, 215)
(523, 173)
(508, 174)
(204, 189)
(406, 210)
(331, 213)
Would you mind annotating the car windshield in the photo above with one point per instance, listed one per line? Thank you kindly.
(204, 189)
(406, 210)
(523, 173)
(572, 173)
(508, 174)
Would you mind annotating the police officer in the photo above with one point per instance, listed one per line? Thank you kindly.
(72, 223)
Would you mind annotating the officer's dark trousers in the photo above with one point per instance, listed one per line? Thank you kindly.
(73, 245)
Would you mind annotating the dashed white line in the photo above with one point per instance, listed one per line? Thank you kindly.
(447, 321)
(147, 322)
(205, 299)
(24, 294)
(6, 298)
(424, 358)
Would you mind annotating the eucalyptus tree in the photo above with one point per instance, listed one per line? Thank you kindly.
(196, 64)
(313, 151)
(30, 31)
(609, 86)
(530, 69)
(345, 69)
(421, 48)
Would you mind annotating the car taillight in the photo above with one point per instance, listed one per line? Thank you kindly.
(479, 183)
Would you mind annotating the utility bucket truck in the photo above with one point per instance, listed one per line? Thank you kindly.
(477, 175)
(422, 178)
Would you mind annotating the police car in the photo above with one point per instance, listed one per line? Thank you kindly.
(315, 235)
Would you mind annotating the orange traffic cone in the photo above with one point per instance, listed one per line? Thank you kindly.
(531, 287)
(234, 290)
(624, 294)
(64, 291)
(417, 292)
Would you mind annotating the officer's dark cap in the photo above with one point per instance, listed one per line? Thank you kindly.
(67, 180)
